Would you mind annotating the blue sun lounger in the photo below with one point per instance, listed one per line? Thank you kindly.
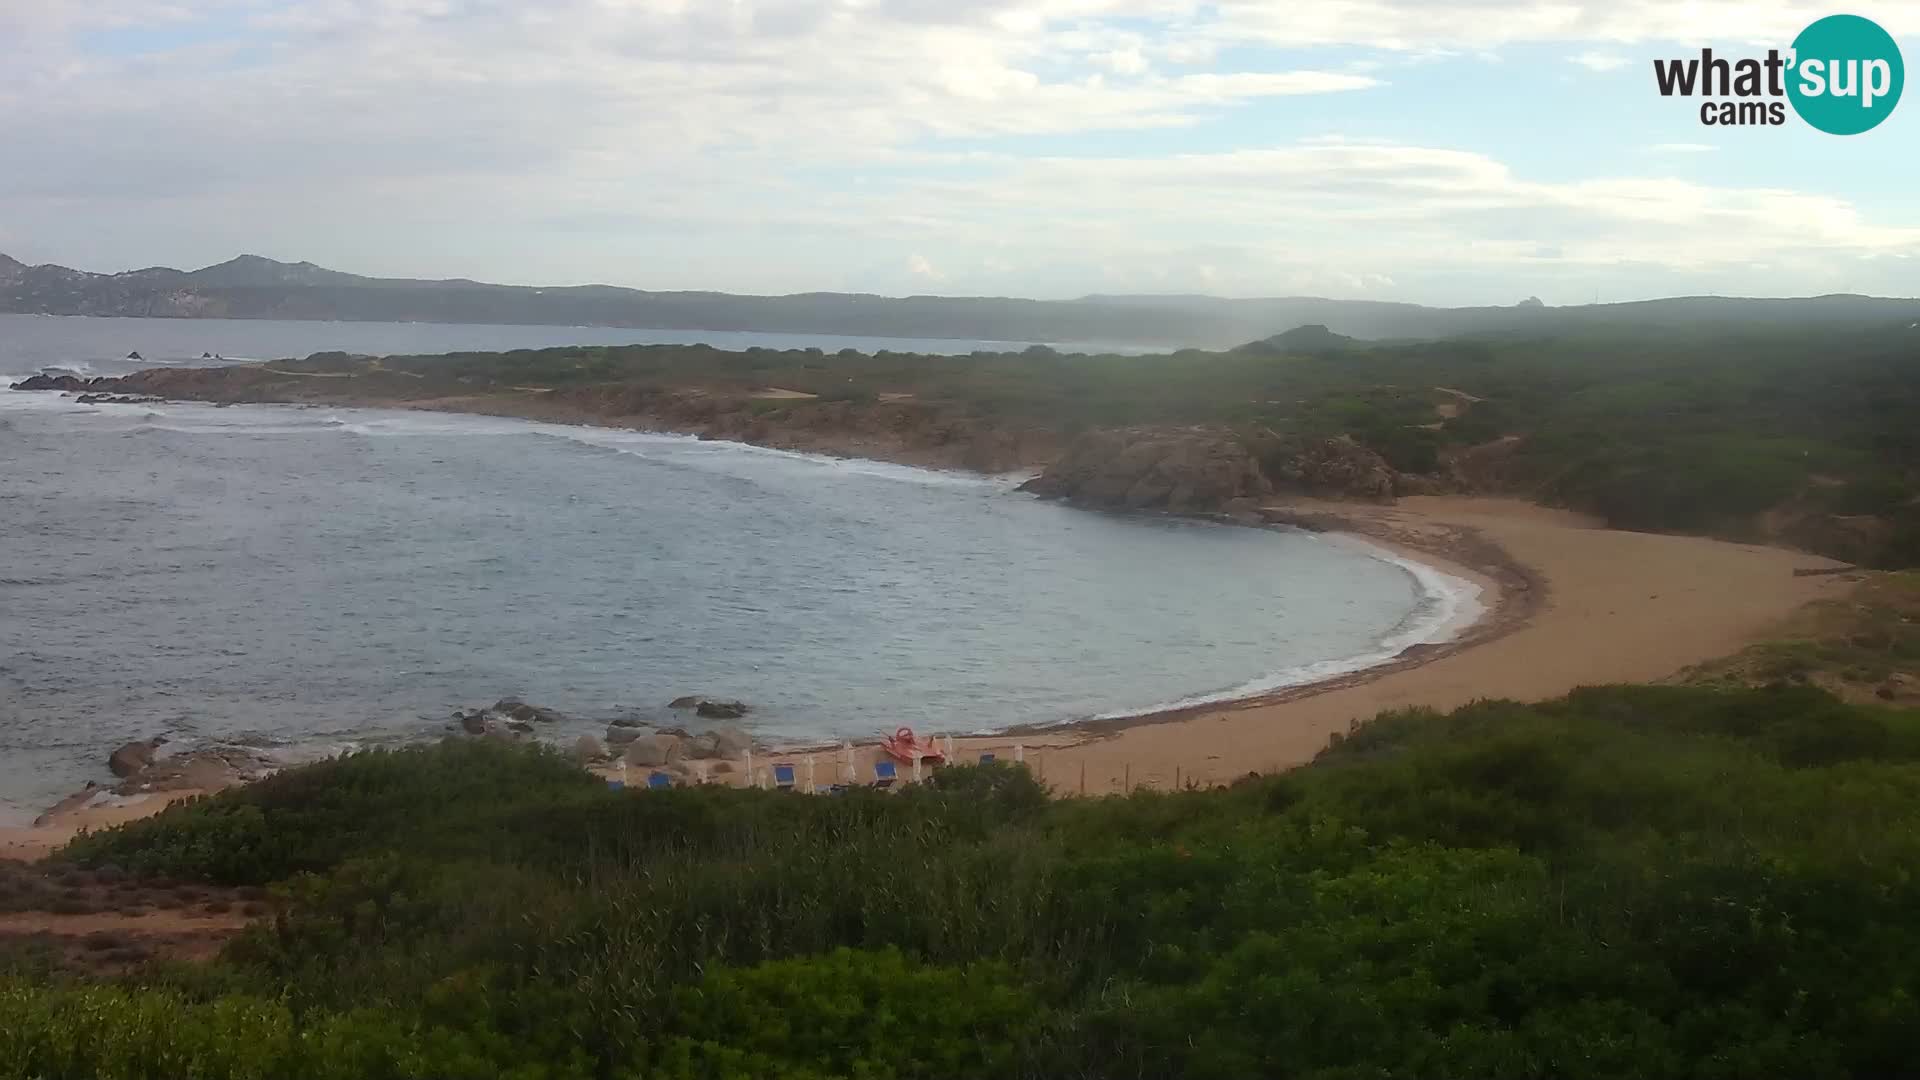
(658, 781)
(783, 777)
(987, 758)
(884, 774)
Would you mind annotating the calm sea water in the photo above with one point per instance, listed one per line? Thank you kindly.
(310, 578)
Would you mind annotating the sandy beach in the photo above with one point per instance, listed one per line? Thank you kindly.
(1568, 604)
(1608, 606)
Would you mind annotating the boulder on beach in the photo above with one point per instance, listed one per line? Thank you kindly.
(732, 741)
(685, 701)
(473, 723)
(650, 751)
(702, 747)
(721, 710)
(587, 750)
(132, 757)
(621, 735)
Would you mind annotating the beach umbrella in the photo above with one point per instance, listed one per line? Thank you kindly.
(1020, 753)
(752, 780)
(846, 761)
(811, 788)
(916, 766)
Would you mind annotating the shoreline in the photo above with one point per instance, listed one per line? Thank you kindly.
(1460, 536)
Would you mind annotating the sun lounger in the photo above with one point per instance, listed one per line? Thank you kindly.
(658, 781)
(884, 774)
(987, 759)
(783, 777)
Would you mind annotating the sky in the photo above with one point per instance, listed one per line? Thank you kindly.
(1434, 151)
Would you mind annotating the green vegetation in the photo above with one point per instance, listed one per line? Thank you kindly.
(1864, 646)
(1658, 429)
(1630, 881)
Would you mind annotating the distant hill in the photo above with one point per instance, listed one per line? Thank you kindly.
(1312, 338)
(252, 287)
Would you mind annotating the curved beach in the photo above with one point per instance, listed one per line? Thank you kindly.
(1571, 604)
(1561, 602)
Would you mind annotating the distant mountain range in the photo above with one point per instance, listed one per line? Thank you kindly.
(251, 287)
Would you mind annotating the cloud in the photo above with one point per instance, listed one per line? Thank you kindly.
(1681, 148)
(1599, 61)
(751, 144)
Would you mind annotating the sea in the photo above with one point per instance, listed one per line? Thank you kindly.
(309, 580)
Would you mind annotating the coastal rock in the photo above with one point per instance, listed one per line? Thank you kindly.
(628, 722)
(473, 723)
(50, 382)
(132, 757)
(731, 742)
(702, 747)
(1174, 469)
(686, 701)
(515, 709)
(72, 802)
(620, 735)
(587, 750)
(721, 710)
(212, 769)
(1337, 467)
(652, 750)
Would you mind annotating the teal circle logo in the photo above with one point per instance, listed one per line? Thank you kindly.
(1847, 75)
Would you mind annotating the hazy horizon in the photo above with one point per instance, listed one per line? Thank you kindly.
(1170, 296)
(1444, 154)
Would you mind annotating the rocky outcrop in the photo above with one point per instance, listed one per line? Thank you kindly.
(515, 709)
(648, 751)
(132, 757)
(115, 399)
(212, 769)
(53, 382)
(619, 735)
(1174, 469)
(721, 710)
(1336, 467)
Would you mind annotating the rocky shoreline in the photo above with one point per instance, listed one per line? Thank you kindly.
(1183, 470)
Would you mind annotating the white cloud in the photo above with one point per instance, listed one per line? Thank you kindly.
(1599, 61)
(750, 144)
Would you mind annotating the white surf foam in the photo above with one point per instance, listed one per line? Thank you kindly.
(1446, 607)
